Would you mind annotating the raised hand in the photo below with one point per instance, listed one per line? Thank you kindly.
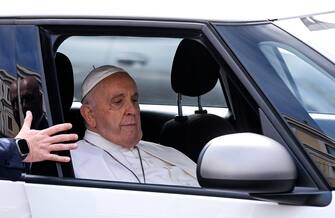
(43, 142)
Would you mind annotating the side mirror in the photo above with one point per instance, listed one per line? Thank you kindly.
(246, 162)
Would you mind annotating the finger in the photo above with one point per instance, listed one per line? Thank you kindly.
(62, 138)
(57, 128)
(57, 158)
(62, 147)
(27, 120)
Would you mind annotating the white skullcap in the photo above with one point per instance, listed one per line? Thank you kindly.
(95, 76)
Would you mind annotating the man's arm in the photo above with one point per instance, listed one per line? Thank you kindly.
(11, 165)
(41, 144)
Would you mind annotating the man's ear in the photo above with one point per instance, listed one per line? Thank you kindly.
(87, 113)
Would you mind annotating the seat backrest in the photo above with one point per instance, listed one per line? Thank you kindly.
(66, 89)
(65, 80)
(194, 73)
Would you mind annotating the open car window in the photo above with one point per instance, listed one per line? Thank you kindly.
(147, 59)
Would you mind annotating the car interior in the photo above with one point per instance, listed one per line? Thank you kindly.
(195, 71)
(190, 134)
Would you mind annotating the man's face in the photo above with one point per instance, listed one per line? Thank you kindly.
(116, 111)
(31, 97)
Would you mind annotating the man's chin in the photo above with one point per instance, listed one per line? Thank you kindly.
(131, 143)
(133, 140)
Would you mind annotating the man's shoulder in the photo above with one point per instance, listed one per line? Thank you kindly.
(85, 148)
(85, 155)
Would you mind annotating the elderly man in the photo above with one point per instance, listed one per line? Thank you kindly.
(112, 148)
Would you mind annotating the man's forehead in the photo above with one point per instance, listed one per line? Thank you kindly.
(117, 86)
(118, 80)
(120, 94)
(119, 76)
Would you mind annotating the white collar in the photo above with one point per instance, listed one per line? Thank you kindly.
(164, 153)
(99, 141)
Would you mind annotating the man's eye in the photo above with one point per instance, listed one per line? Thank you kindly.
(117, 101)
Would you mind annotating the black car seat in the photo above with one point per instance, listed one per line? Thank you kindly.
(65, 80)
(66, 89)
(194, 73)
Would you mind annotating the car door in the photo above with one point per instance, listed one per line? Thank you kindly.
(19, 57)
(251, 107)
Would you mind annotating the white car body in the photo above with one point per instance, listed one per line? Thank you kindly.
(38, 201)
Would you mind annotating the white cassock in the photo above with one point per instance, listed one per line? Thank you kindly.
(161, 164)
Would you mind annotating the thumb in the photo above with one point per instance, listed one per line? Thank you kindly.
(27, 120)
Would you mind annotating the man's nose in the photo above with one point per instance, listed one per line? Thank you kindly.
(132, 107)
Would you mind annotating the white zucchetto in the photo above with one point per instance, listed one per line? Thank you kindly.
(96, 75)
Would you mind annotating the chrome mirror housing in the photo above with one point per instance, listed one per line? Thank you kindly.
(246, 162)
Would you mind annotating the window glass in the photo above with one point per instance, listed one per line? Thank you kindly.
(30, 90)
(8, 126)
(147, 59)
(310, 84)
(320, 149)
(297, 80)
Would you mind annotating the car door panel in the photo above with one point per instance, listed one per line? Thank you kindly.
(13, 200)
(69, 201)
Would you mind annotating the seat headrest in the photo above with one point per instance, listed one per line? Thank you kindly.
(65, 80)
(194, 70)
